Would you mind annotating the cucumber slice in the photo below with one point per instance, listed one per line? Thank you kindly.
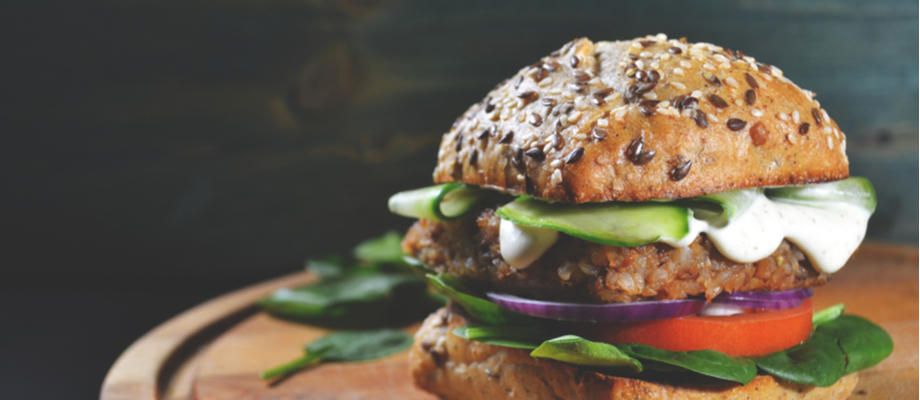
(614, 223)
(719, 208)
(442, 202)
(854, 190)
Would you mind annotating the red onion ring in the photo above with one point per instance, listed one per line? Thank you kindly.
(772, 305)
(615, 312)
(784, 295)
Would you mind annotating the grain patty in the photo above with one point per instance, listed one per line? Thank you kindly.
(581, 271)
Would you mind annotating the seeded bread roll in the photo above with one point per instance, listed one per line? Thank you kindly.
(641, 119)
(455, 368)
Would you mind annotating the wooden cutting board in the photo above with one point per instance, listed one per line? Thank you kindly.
(215, 351)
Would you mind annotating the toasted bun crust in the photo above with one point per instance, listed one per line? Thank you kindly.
(455, 368)
(612, 121)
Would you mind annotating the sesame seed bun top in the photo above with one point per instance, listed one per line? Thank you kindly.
(642, 119)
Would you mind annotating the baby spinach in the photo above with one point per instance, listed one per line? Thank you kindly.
(705, 362)
(377, 289)
(827, 315)
(520, 337)
(481, 309)
(575, 350)
(385, 249)
(864, 343)
(819, 362)
(345, 346)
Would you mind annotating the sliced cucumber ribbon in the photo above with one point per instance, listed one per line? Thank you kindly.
(855, 190)
(625, 223)
(442, 202)
(613, 223)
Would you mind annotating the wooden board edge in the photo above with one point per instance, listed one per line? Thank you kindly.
(143, 370)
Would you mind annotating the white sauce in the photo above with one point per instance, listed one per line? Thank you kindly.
(827, 235)
(522, 245)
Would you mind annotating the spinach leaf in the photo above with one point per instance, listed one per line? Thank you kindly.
(331, 266)
(520, 337)
(385, 249)
(418, 266)
(864, 343)
(575, 350)
(346, 346)
(827, 315)
(363, 300)
(705, 362)
(481, 309)
(819, 362)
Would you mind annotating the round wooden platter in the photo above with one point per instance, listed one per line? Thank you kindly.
(215, 350)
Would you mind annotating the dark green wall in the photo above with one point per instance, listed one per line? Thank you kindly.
(235, 137)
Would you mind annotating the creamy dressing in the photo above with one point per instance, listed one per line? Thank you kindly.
(521, 245)
(828, 234)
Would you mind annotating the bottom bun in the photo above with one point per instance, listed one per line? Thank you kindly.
(455, 368)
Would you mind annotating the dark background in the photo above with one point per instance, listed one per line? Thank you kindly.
(156, 154)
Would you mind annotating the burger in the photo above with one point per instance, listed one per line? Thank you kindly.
(640, 219)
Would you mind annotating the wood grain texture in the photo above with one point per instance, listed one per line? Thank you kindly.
(879, 283)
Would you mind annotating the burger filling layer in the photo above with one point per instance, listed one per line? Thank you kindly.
(573, 269)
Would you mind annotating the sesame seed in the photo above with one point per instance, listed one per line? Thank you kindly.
(556, 163)
(602, 122)
(545, 82)
(738, 102)
(557, 177)
(795, 116)
(791, 138)
(655, 64)
(757, 113)
(661, 37)
(767, 77)
(650, 96)
(826, 117)
(709, 67)
(547, 148)
(579, 136)
(725, 65)
(640, 64)
(665, 57)
(830, 143)
(620, 115)
(575, 155)
(720, 58)
(679, 86)
(751, 81)
(783, 116)
(697, 94)
(678, 71)
(517, 83)
(731, 82)
(635, 45)
(686, 64)
(712, 117)
(574, 117)
(645, 54)
(736, 124)
(614, 97)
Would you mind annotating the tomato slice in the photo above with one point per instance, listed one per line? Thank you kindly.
(755, 334)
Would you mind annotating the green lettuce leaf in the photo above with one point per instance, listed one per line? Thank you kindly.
(481, 309)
